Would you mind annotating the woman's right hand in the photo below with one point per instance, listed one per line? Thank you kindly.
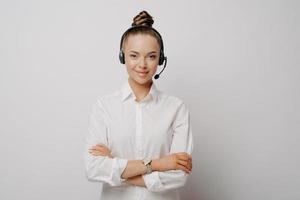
(175, 161)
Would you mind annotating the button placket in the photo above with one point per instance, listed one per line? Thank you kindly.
(139, 144)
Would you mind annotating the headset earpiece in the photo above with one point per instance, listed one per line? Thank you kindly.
(121, 57)
(161, 57)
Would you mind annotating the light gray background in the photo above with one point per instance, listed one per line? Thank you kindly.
(234, 63)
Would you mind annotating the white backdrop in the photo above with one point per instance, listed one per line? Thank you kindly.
(234, 63)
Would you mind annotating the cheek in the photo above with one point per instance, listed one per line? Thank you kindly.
(154, 68)
(130, 69)
(131, 63)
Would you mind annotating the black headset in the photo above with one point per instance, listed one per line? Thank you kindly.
(162, 58)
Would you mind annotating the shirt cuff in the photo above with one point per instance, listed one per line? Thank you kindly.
(120, 165)
(152, 181)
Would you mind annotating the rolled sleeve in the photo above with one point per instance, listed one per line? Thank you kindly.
(101, 168)
(163, 181)
(104, 169)
(182, 142)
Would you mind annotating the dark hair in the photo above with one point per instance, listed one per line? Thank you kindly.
(142, 24)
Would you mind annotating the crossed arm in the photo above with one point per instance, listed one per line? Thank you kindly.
(135, 168)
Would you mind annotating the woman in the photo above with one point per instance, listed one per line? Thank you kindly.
(139, 141)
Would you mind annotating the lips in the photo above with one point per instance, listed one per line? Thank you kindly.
(142, 72)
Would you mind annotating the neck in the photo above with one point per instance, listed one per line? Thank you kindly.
(140, 90)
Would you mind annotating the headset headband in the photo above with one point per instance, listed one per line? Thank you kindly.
(143, 26)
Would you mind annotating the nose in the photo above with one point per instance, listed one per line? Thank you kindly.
(143, 63)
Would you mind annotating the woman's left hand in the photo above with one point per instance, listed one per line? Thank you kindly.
(100, 150)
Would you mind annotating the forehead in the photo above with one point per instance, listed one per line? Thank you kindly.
(141, 42)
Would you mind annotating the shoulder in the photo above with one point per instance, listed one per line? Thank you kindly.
(106, 100)
(176, 107)
(172, 100)
(110, 97)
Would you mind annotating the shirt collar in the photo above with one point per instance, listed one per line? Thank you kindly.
(126, 92)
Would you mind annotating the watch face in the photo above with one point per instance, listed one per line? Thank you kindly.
(147, 161)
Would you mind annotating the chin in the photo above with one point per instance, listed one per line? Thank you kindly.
(141, 81)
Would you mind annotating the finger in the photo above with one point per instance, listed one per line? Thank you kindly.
(183, 157)
(183, 168)
(94, 154)
(180, 167)
(103, 147)
(99, 151)
(186, 164)
(100, 145)
(183, 163)
(95, 147)
(92, 151)
(98, 148)
(184, 154)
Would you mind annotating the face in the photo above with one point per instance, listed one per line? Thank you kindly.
(141, 57)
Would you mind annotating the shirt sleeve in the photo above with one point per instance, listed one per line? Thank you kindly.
(182, 142)
(100, 168)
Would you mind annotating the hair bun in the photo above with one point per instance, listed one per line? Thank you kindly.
(143, 19)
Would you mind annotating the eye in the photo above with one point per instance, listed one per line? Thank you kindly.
(132, 56)
(153, 57)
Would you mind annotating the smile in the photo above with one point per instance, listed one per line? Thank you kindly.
(141, 73)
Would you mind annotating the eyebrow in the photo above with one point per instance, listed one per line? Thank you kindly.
(147, 53)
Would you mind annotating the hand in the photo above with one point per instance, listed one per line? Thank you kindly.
(175, 161)
(100, 150)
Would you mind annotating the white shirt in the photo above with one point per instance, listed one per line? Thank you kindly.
(156, 126)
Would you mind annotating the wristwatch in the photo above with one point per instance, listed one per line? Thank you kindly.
(147, 163)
